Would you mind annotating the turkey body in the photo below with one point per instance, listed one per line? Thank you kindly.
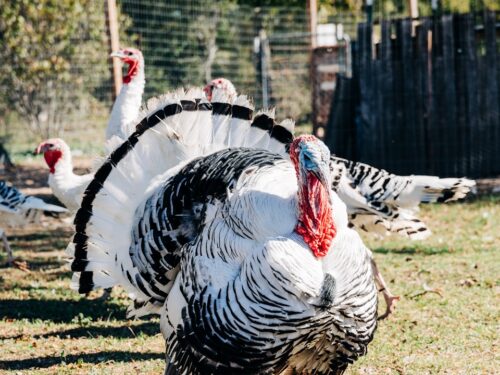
(210, 243)
(68, 187)
(250, 295)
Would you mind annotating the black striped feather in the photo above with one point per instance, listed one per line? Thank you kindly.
(11, 199)
(382, 203)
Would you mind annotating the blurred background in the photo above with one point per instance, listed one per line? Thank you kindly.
(410, 86)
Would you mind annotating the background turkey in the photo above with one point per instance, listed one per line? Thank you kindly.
(128, 102)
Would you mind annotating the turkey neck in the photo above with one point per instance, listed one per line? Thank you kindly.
(315, 222)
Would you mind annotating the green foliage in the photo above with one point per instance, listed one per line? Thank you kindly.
(49, 49)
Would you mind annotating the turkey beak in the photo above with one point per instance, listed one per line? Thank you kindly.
(118, 54)
(40, 149)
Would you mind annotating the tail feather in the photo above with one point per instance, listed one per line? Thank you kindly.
(39, 204)
(175, 128)
(242, 113)
(281, 136)
(430, 189)
(261, 127)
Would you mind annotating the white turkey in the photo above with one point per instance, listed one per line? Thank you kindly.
(67, 186)
(17, 209)
(245, 253)
(128, 102)
(220, 84)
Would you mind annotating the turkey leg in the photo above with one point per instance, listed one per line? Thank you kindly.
(390, 299)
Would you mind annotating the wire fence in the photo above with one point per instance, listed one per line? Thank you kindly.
(184, 43)
(58, 77)
(187, 43)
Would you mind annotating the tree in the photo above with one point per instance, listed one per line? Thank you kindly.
(46, 46)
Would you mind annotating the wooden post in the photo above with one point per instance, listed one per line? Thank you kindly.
(413, 6)
(312, 10)
(114, 45)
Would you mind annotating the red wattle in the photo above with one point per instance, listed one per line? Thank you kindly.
(133, 68)
(51, 158)
(315, 223)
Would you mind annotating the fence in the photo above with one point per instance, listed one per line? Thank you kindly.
(428, 97)
(184, 43)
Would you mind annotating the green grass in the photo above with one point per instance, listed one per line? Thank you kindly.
(46, 328)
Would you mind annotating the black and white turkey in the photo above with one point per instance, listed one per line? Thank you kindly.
(17, 209)
(245, 252)
(382, 203)
(379, 202)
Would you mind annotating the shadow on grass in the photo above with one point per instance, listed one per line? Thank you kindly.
(144, 329)
(44, 362)
(35, 264)
(52, 235)
(416, 250)
(60, 311)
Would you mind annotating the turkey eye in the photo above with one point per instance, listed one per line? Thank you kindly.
(129, 53)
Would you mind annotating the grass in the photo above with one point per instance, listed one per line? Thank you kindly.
(46, 328)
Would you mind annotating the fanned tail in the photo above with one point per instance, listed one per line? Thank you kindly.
(175, 128)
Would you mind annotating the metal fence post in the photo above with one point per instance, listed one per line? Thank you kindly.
(264, 67)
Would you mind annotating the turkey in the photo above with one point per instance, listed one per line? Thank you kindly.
(67, 186)
(244, 253)
(221, 84)
(128, 102)
(17, 209)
